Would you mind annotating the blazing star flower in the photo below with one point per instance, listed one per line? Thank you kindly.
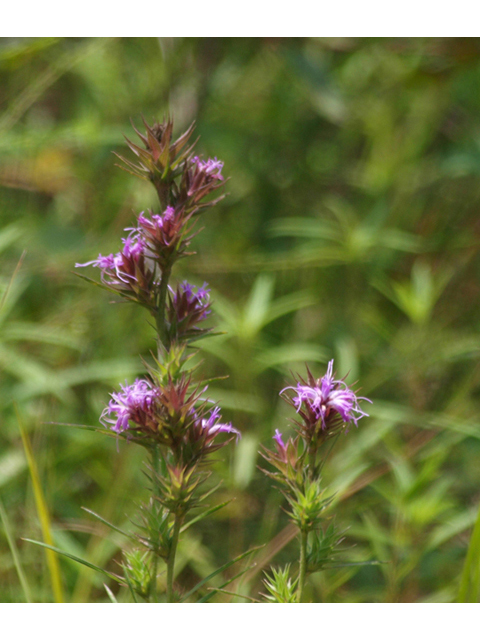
(278, 439)
(115, 268)
(157, 221)
(281, 446)
(214, 427)
(133, 403)
(327, 397)
(212, 167)
(133, 246)
(109, 265)
(200, 298)
(102, 262)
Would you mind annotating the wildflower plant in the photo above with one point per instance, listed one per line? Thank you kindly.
(167, 411)
(325, 407)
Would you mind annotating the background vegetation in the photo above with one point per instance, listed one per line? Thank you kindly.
(351, 230)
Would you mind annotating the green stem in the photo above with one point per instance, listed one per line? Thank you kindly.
(163, 190)
(312, 455)
(171, 556)
(155, 493)
(162, 301)
(303, 564)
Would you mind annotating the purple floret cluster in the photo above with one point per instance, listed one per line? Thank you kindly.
(198, 298)
(144, 408)
(213, 425)
(134, 403)
(328, 396)
(211, 167)
(119, 268)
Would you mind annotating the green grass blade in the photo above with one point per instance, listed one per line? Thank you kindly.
(204, 515)
(470, 580)
(215, 573)
(110, 594)
(114, 576)
(17, 268)
(130, 587)
(110, 525)
(43, 515)
(16, 558)
(237, 595)
(213, 590)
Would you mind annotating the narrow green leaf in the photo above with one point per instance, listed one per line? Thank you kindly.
(470, 580)
(9, 286)
(110, 594)
(211, 593)
(44, 517)
(232, 593)
(210, 492)
(203, 515)
(130, 587)
(110, 525)
(9, 235)
(14, 551)
(222, 568)
(337, 565)
(114, 576)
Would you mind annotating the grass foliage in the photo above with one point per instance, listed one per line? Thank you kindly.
(351, 230)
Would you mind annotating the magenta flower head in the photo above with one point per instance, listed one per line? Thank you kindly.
(200, 179)
(279, 439)
(165, 234)
(211, 167)
(187, 307)
(199, 298)
(104, 263)
(281, 446)
(130, 272)
(156, 222)
(325, 400)
(213, 426)
(134, 403)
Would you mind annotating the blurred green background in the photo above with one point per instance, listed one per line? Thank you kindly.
(350, 231)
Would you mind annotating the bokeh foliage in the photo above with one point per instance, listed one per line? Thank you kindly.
(350, 230)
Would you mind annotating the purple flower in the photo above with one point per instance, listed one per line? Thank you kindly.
(327, 397)
(281, 446)
(102, 262)
(278, 439)
(134, 402)
(133, 246)
(168, 214)
(199, 298)
(120, 268)
(212, 167)
(214, 427)
(157, 221)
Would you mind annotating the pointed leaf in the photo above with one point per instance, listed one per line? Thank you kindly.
(210, 595)
(114, 576)
(110, 525)
(222, 568)
(217, 507)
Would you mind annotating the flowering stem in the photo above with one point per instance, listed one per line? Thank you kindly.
(155, 491)
(312, 454)
(303, 564)
(163, 192)
(162, 299)
(171, 556)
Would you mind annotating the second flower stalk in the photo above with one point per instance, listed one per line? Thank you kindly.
(324, 407)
